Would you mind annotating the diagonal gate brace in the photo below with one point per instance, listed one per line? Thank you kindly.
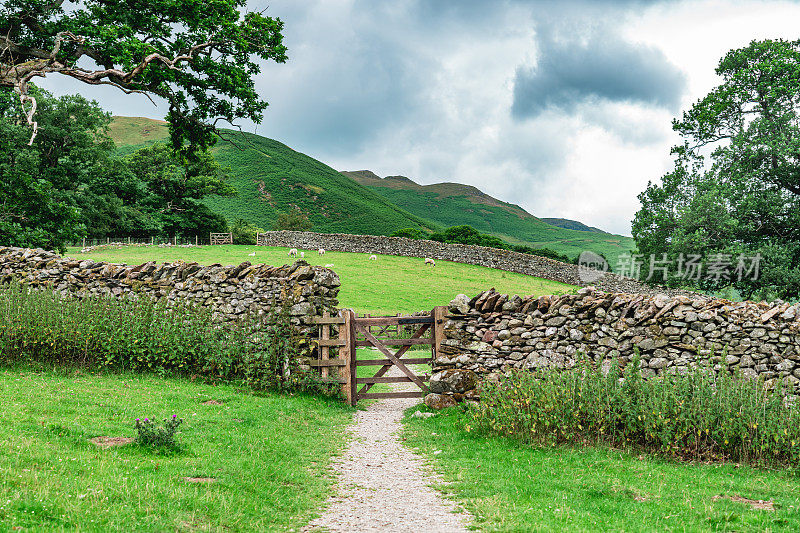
(392, 357)
(399, 354)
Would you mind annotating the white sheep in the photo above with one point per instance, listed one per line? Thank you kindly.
(373, 257)
(329, 265)
(321, 251)
(429, 261)
(302, 255)
(293, 252)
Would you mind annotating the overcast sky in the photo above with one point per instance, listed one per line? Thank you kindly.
(561, 107)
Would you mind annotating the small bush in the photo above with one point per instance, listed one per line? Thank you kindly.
(148, 434)
(698, 415)
(293, 220)
(244, 232)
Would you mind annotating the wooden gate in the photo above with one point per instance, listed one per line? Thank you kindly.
(220, 238)
(353, 332)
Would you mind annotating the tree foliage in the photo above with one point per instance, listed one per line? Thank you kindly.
(244, 232)
(410, 233)
(293, 220)
(735, 187)
(69, 183)
(37, 208)
(199, 56)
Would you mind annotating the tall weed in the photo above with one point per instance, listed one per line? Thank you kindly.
(44, 328)
(699, 415)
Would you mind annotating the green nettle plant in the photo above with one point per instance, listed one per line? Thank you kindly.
(42, 328)
(698, 415)
(149, 434)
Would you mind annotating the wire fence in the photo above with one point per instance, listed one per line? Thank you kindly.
(160, 240)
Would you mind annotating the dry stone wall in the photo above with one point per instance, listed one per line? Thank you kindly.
(509, 261)
(231, 291)
(493, 333)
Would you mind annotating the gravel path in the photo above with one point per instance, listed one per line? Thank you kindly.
(382, 485)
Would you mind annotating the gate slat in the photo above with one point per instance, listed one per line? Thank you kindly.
(328, 362)
(402, 379)
(388, 362)
(376, 395)
(385, 351)
(394, 320)
(397, 342)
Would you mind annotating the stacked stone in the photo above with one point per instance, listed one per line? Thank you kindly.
(492, 333)
(509, 261)
(230, 291)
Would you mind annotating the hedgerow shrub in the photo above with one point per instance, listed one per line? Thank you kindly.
(698, 415)
(44, 328)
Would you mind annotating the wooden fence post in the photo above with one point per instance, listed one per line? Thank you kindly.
(438, 329)
(324, 351)
(352, 356)
(347, 334)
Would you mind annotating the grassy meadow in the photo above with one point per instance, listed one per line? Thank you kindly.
(268, 455)
(387, 286)
(509, 486)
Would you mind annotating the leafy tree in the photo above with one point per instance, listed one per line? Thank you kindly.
(410, 233)
(244, 232)
(69, 183)
(37, 208)
(293, 220)
(735, 188)
(199, 56)
(174, 186)
(462, 235)
(544, 252)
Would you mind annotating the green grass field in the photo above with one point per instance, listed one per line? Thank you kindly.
(508, 486)
(268, 455)
(387, 286)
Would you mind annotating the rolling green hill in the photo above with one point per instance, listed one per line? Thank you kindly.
(570, 224)
(451, 204)
(271, 178)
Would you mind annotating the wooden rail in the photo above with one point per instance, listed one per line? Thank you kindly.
(348, 332)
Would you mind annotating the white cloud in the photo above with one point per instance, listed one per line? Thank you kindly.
(425, 88)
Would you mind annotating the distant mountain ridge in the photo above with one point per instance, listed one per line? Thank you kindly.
(271, 178)
(451, 204)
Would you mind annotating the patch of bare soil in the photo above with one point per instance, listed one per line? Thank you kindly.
(212, 402)
(199, 479)
(762, 505)
(107, 442)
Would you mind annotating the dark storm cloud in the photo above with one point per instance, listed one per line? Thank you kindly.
(601, 68)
